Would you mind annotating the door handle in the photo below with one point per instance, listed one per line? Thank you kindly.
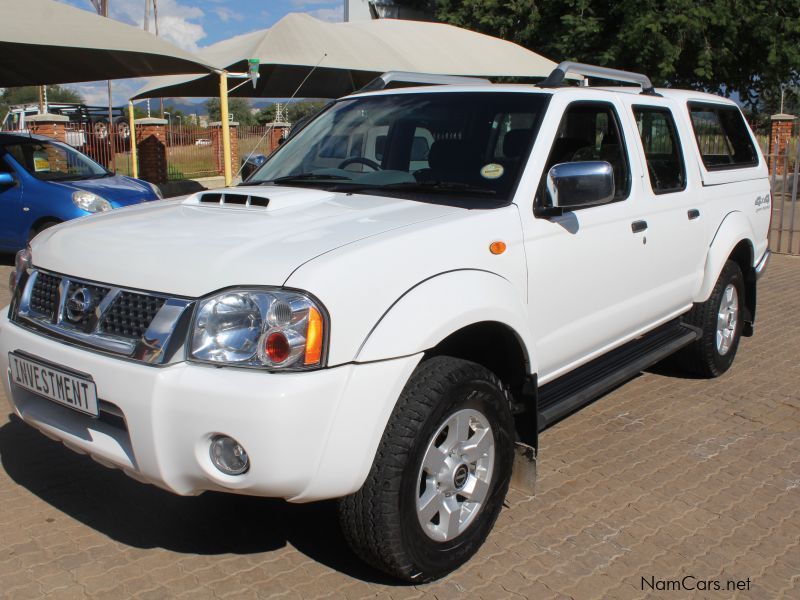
(693, 213)
(638, 226)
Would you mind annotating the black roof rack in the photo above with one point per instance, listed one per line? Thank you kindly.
(384, 81)
(557, 76)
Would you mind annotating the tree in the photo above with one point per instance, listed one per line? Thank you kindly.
(723, 46)
(30, 95)
(297, 110)
(266, 115)
(238, 107)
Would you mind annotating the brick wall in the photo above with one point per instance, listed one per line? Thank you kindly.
(781, 130)
(151, 142)
(278, 132)
(52, 126)
(216, 143)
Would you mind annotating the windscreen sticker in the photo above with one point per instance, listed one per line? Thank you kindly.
(492, 171)
(41, 162)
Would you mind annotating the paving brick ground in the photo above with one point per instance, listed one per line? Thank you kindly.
(665, 477)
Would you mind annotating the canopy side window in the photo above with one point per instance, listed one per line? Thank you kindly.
(722, 136)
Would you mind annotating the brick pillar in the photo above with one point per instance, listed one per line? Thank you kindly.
(216, 144)
(52, 126)
(278, 132)
(151, 144)
(779, 135)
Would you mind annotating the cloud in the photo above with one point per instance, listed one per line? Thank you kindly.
(95, 93)
(177, 21)
(226, 14)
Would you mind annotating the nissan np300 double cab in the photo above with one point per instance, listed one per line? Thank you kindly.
(394, 305)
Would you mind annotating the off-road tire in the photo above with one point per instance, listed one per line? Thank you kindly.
(380, 520)
(701, 357)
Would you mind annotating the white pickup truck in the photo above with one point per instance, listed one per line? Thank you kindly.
(392, 322)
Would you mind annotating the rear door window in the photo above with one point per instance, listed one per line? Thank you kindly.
(662, 148)
(722, 136)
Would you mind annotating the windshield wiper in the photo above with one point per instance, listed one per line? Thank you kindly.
(445, 187)
(304, 177)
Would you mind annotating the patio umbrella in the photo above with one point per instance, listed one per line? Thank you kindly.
(346, 56)
(45, 42)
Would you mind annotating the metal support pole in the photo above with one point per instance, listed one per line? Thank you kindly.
(112, 146)
(134, 158)
(226, 128)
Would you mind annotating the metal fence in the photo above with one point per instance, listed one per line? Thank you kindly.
(112, 149)
(190, 153)
(784, 232)
(191, 149)
(255, 140)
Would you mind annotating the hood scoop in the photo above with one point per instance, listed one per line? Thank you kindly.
(223, 199)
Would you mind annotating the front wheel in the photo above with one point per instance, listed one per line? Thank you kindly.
(440, 474)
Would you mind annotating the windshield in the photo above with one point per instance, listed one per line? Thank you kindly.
(54, 161)
(464, 145)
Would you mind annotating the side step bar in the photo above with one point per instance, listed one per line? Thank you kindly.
(570, 392)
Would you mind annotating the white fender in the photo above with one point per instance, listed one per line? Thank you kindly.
(734, 228)
(433, 309)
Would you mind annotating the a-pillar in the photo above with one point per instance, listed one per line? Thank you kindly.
(52, 126)
(216, 144)
(779, 135)
(151, 143)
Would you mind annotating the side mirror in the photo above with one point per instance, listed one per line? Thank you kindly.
(580, 184)
(6, 180)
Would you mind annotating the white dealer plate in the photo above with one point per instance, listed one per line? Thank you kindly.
(55, 384)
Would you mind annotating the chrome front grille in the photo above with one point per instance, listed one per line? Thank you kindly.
(131, 314)
(138, 325)
(92, 296)
(44, 295)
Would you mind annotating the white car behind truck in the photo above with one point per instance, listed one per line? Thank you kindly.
(392, 328)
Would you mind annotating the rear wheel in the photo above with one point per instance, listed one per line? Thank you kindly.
(440, 474)
(720, 319)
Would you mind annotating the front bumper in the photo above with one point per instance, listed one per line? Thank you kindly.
(309, 435)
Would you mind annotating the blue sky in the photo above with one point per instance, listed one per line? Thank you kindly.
(193, 24)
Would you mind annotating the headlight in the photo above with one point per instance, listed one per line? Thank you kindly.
(22, 262)
(90, 202)
(156, 190)
(272, 328)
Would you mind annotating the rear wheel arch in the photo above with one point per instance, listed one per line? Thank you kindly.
(733, 241)
(743, 255)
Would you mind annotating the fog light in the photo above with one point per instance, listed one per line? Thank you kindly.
(228, 455)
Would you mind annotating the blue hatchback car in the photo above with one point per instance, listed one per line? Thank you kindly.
(44, 182)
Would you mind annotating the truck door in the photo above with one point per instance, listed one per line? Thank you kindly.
(675, 253)
(584, 267)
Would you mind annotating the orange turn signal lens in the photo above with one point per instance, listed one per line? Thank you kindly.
(497, 247)
(314, 336)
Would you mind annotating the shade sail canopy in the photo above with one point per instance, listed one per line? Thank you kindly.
(46, 42)
(349, 55)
